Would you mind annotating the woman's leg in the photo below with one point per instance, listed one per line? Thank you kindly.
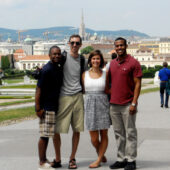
(96, 143)
(103, 144)
(99, 146)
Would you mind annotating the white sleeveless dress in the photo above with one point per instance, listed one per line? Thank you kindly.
(96, 103)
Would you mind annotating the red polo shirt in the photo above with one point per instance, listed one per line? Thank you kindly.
(122, 83)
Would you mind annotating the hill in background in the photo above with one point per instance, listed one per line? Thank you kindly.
(62, 32)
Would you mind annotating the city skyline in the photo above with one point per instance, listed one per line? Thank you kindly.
(147, 16)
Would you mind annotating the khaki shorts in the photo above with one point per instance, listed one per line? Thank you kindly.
(71, 111)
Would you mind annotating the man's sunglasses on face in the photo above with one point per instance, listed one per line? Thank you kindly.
(72, 43)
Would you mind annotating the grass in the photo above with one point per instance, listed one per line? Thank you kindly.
(32, 86)
(151, 82)
(16, 102)
(149, 90)
(9, 81)
(15, 97)
(16, 113)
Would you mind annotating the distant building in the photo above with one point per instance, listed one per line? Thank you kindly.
(152, 45)
(42, 47)
(144, 54)
(9, 48)
(30, 62)
(164, 47)
(132, 48)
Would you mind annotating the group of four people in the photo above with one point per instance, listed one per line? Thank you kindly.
(59, 103)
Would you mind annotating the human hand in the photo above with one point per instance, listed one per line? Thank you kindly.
(40, 113)
(132, 109)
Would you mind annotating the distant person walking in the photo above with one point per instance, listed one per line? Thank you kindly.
(96, 106)
(46, 102)
(164, 75)
(125, 73)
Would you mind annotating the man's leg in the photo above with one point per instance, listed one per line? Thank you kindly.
(57, 146)
(77, 122)
(120, 135)
(166, 98)
(75, 142)
(162, 93)
(131, 134)
(42, 148)
(119, 130)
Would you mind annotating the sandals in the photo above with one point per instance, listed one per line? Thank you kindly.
(72, 164)
(56, 164)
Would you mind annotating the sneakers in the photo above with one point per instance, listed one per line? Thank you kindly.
(118, 165)
(130, 166)
(45, 166)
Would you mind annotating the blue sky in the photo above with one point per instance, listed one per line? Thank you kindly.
(148, 16)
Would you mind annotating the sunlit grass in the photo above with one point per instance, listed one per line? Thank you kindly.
(31, 86)
(17, 113)
(16, 102)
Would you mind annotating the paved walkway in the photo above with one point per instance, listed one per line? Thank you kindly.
(18, 142)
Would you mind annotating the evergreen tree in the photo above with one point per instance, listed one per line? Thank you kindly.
(5, 64)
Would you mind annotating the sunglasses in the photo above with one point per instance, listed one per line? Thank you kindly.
(72, 43)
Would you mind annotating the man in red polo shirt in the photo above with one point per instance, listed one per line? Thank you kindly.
(125, 73)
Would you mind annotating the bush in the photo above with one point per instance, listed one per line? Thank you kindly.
(15, 74)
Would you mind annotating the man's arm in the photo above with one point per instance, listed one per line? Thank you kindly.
(137, 81)
(38, 109)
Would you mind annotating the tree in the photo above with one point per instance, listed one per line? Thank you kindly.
(143, 67)
(87, 50)
(5, 64)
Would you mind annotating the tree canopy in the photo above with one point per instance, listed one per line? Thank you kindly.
(87, 50)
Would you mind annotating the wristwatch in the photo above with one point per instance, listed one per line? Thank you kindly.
(133, 104)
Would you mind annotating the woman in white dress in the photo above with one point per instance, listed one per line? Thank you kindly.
(96, 106)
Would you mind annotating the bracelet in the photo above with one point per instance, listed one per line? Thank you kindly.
(133, 104)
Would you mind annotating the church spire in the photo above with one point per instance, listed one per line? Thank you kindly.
(82, 27)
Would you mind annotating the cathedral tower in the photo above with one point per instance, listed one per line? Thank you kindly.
(82, 27)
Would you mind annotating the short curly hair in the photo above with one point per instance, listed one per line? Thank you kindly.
(93, 53)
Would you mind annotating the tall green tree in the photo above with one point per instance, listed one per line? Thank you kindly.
(5, 64)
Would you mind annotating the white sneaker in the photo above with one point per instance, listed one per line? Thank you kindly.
(46, 166)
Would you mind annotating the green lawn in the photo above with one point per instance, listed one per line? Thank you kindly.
(16, 102)
(16, 113)
(15, 97)
(30, 111)
(9, 81)
(31, 86)
(149, 90)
